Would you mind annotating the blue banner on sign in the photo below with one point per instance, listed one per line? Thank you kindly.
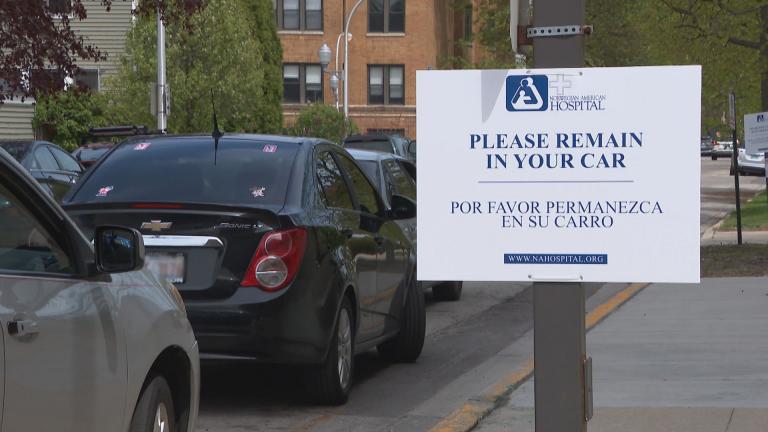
(516, 258)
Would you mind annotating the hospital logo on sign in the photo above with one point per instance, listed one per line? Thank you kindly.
(527, 92)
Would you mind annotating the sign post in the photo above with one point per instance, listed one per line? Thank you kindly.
(559, 307)
(735, 162)
(551, 176)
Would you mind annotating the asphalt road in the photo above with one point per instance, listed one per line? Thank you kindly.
(462, 338)
(717, 190)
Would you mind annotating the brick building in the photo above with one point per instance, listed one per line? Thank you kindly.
(391, 40)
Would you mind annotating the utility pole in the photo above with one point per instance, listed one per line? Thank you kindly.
(562, 375)
(161, 93)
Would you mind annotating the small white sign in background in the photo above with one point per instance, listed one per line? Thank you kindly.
(756, 133)
(559, 174)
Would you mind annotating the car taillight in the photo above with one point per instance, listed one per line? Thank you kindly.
(277, 259)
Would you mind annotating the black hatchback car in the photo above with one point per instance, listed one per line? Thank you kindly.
(52, 167)
(282, 249)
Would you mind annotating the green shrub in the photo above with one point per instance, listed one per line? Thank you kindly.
(322, 121)
(65, 117)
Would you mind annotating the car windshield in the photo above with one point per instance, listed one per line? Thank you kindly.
(17, 149)
(370, 168)
(377, 145)
(182, 170)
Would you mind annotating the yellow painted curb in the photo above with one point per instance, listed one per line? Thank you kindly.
(469, 415)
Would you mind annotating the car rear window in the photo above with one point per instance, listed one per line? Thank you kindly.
(246, 172)
(382, 145)
(16, 149)
(91, 154)
(370, 168)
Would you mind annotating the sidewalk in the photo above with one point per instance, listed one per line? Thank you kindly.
(684, 358)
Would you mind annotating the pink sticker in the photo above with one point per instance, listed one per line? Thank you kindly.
(141, 146)
(270, 148)
(105, 191)
(257, 192)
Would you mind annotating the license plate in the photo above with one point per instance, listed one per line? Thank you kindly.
(168, 266)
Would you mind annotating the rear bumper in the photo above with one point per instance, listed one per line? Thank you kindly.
(292, 328)
(752, 168)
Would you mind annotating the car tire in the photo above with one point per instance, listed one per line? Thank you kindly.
(333, 378)
(407, 344)
(447, 291)
(154, 411)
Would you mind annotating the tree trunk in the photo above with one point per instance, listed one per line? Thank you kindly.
(764, 58)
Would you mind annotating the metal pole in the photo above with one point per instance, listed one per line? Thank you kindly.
(765, 160)
(162, 115)
(561, 363)
(735, 165)
(346, 58)
(336, 69)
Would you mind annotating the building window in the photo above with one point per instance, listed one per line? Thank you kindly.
(386, 16)
(60, 7)
(298, 14)
(302, 83)
(88, 78)
(386, 131)
(386, 85)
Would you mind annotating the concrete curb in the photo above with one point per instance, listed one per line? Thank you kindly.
(467, 417)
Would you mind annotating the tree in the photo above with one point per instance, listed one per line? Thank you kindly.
(39, 48)
(214, 52)
(262, 17)
(322, 121)
(738, 23)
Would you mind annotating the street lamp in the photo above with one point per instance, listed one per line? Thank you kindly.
(324, 54)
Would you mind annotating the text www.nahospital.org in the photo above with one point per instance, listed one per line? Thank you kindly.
(518, 258)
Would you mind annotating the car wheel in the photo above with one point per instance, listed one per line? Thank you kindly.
(333, 378)
(407, 344)
(447, 291)
(154, 411)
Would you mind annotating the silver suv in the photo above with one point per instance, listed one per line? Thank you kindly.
(90, 341)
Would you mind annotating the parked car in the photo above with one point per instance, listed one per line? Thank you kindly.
(48, 163)
(90, 341)
(100, 140)
(282, 249)
(706, 147)
(751, 164)
(393, 144)
(392, 174)
(88, 154)
(722, 149)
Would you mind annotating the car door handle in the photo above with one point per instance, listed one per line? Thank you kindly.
(348, 233)
(22, 328)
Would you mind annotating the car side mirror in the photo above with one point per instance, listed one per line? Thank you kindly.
(118, 249)
(412, 149)
(403, 207)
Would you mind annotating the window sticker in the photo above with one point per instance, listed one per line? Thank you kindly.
(258, 192)
(270, 148)
(142, 146)
(105, 191)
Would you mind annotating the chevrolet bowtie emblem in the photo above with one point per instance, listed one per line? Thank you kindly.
(156, 225)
